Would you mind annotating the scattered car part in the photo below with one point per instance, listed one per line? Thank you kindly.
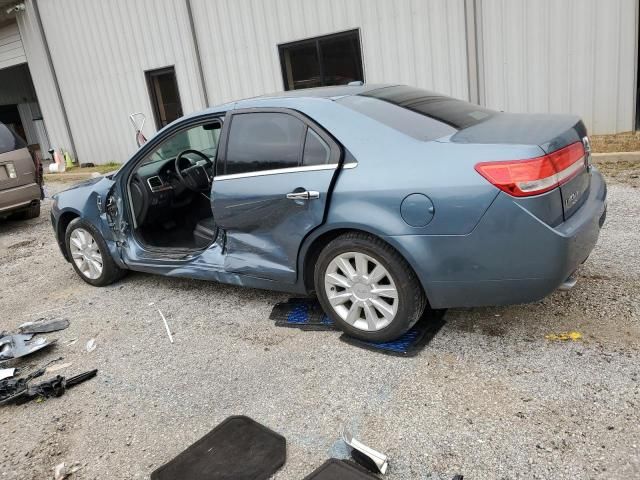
(11, 388)
(334, 469)
(166, 325)
(56, 386)
(62, 471)
(91, 345)
(22, 391)
(16, 346)
(42, 325)
(239, 448)
(7, 373)
(380, 460)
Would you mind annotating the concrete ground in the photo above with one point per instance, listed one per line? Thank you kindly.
(489, 397)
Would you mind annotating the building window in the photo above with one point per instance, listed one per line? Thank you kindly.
(165, 98)
(327, 60)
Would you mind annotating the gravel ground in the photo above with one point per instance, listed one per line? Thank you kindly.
(489, 397)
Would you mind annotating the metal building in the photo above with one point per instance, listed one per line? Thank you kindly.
(71, 71)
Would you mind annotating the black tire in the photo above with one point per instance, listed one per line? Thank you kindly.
(411, 298)
(33, 211)
(110, 271)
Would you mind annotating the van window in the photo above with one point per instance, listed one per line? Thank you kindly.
(9, 141)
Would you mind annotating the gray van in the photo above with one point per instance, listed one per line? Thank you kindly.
(21, 177)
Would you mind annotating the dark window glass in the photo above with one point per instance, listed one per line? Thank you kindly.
(416, 125)
(165, 98)
(456, 113)
(328, 60)
(316, 151)
(263, 141)
(9, 141)
(302, 66)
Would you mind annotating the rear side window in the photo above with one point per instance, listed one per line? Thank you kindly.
(9, 141)
(316, 151)
(264, 141)
(418, 113)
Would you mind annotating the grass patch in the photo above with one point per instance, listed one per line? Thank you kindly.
(106, 168)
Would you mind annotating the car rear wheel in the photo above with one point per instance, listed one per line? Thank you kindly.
(89, 254)
(367, 288)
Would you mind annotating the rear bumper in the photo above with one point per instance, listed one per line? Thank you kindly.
(17, 198)
(510, 257)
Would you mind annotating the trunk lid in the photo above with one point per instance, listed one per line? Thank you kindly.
(551, 133)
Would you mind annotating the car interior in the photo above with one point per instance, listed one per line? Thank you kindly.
(170, 190)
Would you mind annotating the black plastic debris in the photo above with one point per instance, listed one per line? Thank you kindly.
(302, 313)
(238, 449)
(43, 325)
(20, 345)
(334, 469)
(20, 390)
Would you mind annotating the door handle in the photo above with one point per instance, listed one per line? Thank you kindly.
(306, 195)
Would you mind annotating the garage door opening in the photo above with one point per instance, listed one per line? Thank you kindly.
(19, 108)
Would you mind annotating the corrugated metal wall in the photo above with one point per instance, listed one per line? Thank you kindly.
(42, 78)
(100, 52)
(544, 56)
(562, 56)
(417, 42)
(11, 49)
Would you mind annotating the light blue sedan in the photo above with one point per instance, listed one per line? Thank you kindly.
(382, 200)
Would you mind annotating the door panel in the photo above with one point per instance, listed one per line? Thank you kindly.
(265, 228)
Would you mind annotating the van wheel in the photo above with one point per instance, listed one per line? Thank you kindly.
(89, 254)
(33, 211)
(367, 288)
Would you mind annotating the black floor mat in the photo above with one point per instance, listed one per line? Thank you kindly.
(335, 469)
(409, 344)
(237, 449)
(302, 313)
(307, 314)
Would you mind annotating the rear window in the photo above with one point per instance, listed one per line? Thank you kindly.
(418, 113)
(9, 141)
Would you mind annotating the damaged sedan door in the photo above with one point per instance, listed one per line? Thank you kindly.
(273, 179)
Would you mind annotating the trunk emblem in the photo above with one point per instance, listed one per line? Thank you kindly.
(571, 199)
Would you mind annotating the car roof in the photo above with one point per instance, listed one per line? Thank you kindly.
(332, 92)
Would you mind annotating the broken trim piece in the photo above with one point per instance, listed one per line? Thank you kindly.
(380, 460)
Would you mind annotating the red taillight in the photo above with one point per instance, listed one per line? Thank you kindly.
(523, 178)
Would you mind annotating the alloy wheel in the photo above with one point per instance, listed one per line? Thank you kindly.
(361, 291)
(85, 253)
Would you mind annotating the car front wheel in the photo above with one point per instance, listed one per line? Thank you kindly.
(89, 254)
(367, 288)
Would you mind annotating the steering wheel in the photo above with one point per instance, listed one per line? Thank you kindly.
(194, 177)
